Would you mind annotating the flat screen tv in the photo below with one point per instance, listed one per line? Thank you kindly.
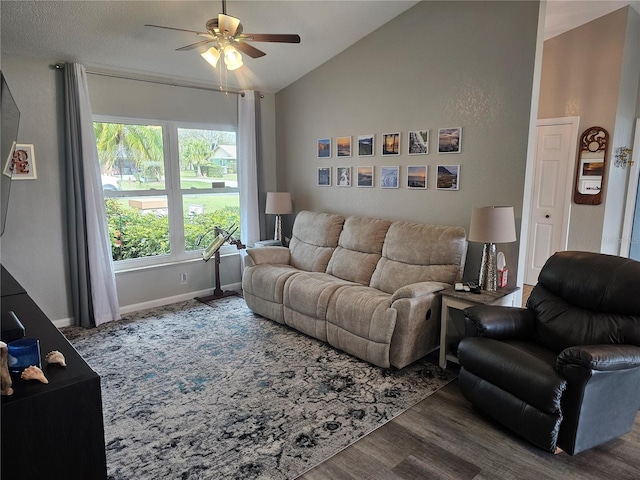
(10, 118)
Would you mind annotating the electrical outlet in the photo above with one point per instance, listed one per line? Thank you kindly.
(183, 278)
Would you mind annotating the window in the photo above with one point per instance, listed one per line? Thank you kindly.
(166, 186)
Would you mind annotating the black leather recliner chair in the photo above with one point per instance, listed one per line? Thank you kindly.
(564, 372)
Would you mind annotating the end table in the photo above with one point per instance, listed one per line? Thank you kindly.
(452, 318)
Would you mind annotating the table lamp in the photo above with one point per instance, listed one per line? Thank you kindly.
(278, 204)
(491, 225)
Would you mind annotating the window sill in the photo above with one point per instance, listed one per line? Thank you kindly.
(169, 264)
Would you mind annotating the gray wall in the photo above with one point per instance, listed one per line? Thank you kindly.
(34, 243)
(440, 64)
(592, 72)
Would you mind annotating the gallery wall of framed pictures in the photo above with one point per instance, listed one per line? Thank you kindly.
(388, 145)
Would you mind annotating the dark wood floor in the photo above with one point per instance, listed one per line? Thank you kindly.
(444, 437)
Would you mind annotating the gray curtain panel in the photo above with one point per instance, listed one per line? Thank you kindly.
(93, 287)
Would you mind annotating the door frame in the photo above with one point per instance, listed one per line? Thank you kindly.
(566, 211)
(632, 192)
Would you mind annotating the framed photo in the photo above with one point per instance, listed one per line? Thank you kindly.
(324, 148)
(389, 177)
(343, 176)
(391, 143)
(450, 140)
(21, 164)
(590, 174)
(366, 145)
(448, 177)
(365, 176)
(418, 142)
(324, 176)
(417, 176)
(343, 147)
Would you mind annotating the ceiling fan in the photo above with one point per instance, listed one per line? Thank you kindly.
(227, 36)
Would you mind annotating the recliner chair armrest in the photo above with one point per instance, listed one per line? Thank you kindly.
(274, 254)
(419, 289)
(499, 322)
(600, 357)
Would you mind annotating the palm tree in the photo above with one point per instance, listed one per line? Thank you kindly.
(195, 152)
(136, 144)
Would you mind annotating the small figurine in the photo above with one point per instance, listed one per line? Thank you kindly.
(55, 357)
(5, 377)
(33, 373)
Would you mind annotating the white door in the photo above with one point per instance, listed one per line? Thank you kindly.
(556, 143)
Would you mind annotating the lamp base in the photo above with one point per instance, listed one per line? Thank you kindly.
(277, 234)
(488, 268)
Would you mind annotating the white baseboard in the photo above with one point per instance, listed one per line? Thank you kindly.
(68, 322)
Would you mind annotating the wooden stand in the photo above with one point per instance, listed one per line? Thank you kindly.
(217, 292)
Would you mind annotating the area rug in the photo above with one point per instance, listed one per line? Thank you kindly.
(192, 391)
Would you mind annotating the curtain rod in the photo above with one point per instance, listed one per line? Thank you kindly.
(60, 66)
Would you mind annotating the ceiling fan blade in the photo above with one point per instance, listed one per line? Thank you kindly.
(271, 37)
(227, 23)
(250, 50)
(178, 29)
(194, 45)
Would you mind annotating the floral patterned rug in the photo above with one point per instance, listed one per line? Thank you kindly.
(195, 391)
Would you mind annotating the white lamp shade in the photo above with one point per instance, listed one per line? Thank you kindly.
(278, 203)
(232, 58)
(212, 56)
(492, 225)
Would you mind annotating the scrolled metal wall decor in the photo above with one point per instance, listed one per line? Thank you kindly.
(592, 162)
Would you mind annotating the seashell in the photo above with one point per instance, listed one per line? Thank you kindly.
(55, 357)
(33, 373)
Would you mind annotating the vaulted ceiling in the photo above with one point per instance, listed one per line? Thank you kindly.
(110, 35)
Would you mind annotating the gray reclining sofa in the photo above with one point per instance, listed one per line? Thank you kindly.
(366, 286)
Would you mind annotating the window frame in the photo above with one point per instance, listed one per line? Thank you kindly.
(172, 190)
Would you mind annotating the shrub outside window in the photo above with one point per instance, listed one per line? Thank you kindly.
(166, 186)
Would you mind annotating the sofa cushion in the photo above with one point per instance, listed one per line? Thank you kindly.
(359, 249)
(420, 253)
(306, 300)
(314, 238)
(361, 322)
(262, 287)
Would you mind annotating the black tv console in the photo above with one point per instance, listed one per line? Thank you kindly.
(55, 430)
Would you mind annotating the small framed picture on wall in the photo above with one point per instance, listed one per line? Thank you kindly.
(324, 148)
(366, 145)
(324, 176)
(448, 177)
(450, 140)
(391, 143)
(389, 177)
(343, 176)
(21, 163)
(417, 176)
(365, 176)
(418, 142)
(343, 147)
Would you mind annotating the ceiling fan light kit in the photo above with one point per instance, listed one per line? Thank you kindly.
(226, 33)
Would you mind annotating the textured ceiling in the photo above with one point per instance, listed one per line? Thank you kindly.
(110, 35)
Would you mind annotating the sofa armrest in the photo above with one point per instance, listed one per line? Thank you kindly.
(419, 289)
(600, 357)
(498, 322)
(274, 255)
